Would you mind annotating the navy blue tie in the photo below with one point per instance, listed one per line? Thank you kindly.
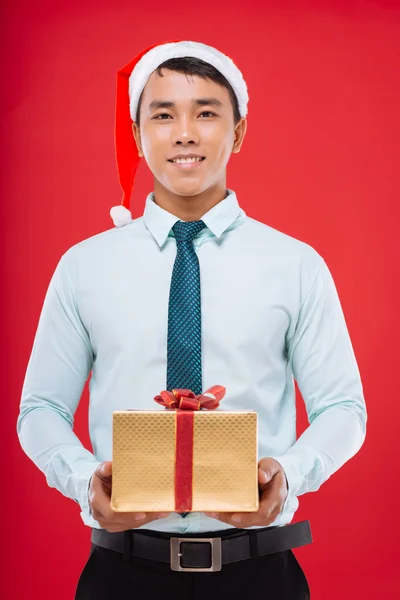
(184, 313)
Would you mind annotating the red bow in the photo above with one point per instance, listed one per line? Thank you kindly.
(185, 399)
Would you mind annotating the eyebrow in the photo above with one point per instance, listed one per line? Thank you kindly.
(154, 104)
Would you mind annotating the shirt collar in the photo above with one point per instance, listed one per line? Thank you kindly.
(160, 222)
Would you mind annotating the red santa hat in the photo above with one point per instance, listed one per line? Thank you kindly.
(131, 80)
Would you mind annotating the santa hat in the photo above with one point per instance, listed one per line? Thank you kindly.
(131, 80)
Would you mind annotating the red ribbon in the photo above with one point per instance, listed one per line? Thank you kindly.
(185, 402)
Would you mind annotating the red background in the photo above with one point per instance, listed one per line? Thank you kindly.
(319, 162)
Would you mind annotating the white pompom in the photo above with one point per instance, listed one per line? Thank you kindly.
(120, 215)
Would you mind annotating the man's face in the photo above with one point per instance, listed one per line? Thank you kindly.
(187, 127)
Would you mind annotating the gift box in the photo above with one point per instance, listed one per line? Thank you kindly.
(187, 457)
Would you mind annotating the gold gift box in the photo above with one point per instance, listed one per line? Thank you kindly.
(225, 464)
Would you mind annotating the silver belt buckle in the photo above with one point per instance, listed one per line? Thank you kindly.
(216, 554)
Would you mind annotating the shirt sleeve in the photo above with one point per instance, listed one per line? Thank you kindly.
(323, 363)
(59, 365)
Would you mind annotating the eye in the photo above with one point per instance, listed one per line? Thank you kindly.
(205, 112)
(162, 115)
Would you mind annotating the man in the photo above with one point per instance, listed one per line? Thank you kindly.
(126, 306)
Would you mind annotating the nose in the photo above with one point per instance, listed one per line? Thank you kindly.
(185, 132)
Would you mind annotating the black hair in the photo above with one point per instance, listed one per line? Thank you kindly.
(195, 66)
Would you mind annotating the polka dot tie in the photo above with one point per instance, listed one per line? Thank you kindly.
(184, 313)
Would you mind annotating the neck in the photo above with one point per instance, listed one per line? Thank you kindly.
(189, 208)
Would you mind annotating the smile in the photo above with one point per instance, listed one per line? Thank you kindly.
(187, 163)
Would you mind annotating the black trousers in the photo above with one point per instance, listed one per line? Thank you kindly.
(106, 576)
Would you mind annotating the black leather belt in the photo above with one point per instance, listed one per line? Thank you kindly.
(204, 553)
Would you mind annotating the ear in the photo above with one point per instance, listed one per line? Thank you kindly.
(240, 132)
(136, 135)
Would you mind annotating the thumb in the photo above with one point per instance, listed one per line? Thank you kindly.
(264, 476)
(104, 471)
(267, 469)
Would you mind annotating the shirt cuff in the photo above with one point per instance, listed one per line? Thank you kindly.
(81, 485)
(87, 494)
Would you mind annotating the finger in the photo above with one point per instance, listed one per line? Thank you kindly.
(263, 477)
(269, 506)
(103, 474)
(237, 517)
(138, 521)
(105, 467)
(229, 518)
(120, 521)
(275, 491)
(213, 515)
(128, 519)
(98, 498)
(272, 499)
(271, 484)
(266, 476)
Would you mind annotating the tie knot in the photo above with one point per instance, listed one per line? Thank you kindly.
(186, 231)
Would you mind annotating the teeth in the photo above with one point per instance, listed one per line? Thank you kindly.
(187, 160)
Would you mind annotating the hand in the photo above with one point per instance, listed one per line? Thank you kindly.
(100, 503)
(273, 490)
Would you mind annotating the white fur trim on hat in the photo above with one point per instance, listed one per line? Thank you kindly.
(120, 215)
(154, 57)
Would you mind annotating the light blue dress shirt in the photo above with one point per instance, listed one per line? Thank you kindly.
(270, 314)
